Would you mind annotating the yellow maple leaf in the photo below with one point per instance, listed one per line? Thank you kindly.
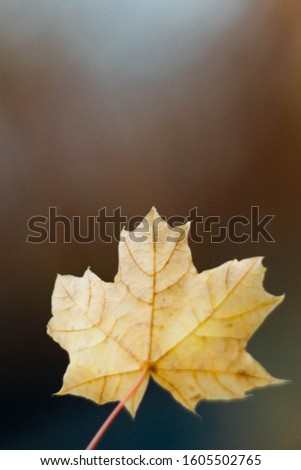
(161, 317)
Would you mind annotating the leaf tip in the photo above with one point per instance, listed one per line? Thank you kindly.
(277, 381)
(280, 298)
(60, 392)
(153, 213)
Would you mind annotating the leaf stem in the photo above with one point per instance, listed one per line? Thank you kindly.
(93, 444)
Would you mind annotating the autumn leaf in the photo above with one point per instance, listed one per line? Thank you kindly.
(187, 330)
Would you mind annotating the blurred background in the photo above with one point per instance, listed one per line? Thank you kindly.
(135, 103)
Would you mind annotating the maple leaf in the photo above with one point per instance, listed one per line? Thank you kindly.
(186, 330)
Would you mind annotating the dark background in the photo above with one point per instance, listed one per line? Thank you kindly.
(138, 103)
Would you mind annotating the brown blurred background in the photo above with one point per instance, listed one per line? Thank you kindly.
(131, 103)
